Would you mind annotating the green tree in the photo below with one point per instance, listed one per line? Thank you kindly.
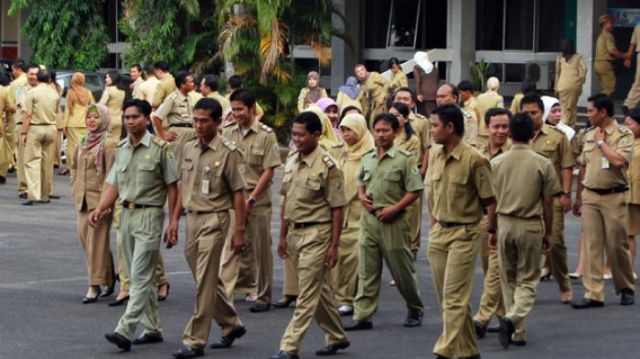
(65, 34)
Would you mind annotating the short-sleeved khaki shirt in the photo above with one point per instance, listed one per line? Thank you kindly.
(634, 174)
(18, 93)
(553, 144)
(166, 86)
(312, 187)
(224, 102)
(457, 183)
(5, 100)
(521, 177)
(148, 89)
(210, 175)
(599, 174)
(486, 150)
(472, 106)
(143, 172)
(176, 109)
(388, 178)
(421, 126)
(42, 103)
(604, 45)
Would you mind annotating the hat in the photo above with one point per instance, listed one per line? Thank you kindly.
(421, 58)
(604, 18)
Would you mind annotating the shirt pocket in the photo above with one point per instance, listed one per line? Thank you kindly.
(312, 188)
(146, 171)
(458, 186)
(186, 170)
(548, 149)
(393, 176)
(256, 156)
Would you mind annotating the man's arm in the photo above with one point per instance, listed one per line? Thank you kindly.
(387, 214)
(548, 223)
(284, 229)
(578, 204)
(171, 234)
(238, 244)
(337, 218)
(263, 183)
(567, 181)
(107, 199)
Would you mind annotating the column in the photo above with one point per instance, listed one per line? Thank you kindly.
(461, 37)
(587, 30)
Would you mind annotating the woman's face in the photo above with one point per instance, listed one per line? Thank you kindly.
(633, 126)
(107, 80)
(332, 113)
(312, 82)
(554, 115)
(394, 68)
(348, 136)
(401, 118)
(93, 121)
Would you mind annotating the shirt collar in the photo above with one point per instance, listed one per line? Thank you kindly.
(214, 144)
(311, 158)
(457, 151)
(390, 153)
(519, 146)
(612, 126)
(145, 141)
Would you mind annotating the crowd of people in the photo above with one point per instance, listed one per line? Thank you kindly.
(360, 171)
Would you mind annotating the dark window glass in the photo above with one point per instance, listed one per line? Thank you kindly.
(515, 72)
(374, 65)
(489, 15)
(402, 23)
(494, 70)
(551, 23)
(519, 21)
(432, 26)
(376, 22)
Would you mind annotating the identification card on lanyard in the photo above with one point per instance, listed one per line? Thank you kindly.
(204, 188)
(604, 163)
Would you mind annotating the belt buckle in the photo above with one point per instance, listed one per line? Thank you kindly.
(131, 205)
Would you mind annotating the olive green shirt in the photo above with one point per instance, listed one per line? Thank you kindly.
(599, 173)
(389, 178)
(142, 173)
(42, 103)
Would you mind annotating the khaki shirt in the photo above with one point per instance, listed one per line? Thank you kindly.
(260, 151)
(421, 125)
(411, 145)
(77, 118)
(398, 80)
(521, 177)
(18, 93)
(177, 108)
(42, 103)
(554, 145)
(620, 139)
(604, 45)
(635, 37)
(634, 174)
(472, 106)
(135, 87)
(143, 172)
(148, 89)
(570, 75)
(113, 98)
(312, 187)
(86, 182)
(224, 102)
(484, 102)
(374, 90)
(5, 101)
(515, 103)
(471, 128)
(486, 150)
(457, 183)
(166, 86)
(210, 175)
(389, 178)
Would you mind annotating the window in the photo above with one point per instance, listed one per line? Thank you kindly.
(489, 24)
(376, 21)
(403, 23)
(519, 25)
(552, 21)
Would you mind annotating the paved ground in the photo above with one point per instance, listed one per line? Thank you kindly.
(43, 279)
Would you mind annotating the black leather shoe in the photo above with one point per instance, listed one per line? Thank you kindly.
(474, 356)
(54, 196)
(285, 302)
(359, 325)
(89, 300)
(494, 329)
(22, 195)
(506, 331)
(587, 303)
(332, 349)
(3, 180)
(626, 297)
(412, 321)
(284, 355)
(227, 340)
(519, 343)
(28, 203)
(148, 338)
(258, 307)
(119, 302)
(119, 340)
(109, 291)
(481, 330)
(187, 353)
(43, 201)
(440, 357)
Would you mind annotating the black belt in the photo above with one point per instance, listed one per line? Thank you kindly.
(201, 212)
(605, 191)
(42, 124)
(187, 125)
(451, 224)
(307, 224)
(131, 205)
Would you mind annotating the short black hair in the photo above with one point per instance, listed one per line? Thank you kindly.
(181, 78)
(465, 86)
(211, 105)
(162, 65)
(211, 81)
(602, 102)
(4, 79)
(44, 76)
(33, 65)
(388, 118)
(634, 113)
(137, 66)
(454, 90)
(347, 109)
(310, 120)
(495, 111)
(20, 64)
(142, 105)
(115, 77)
(245, 96)
(450, 114)
(532, 98)
(521, 127)
(235, 82)
(394, 61)
(406, 89)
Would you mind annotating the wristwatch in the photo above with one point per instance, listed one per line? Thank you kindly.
(599, 143)
(252, 201)
(568, 194)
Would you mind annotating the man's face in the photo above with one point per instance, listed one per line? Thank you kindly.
(498, 130)
(135, 121)
(134, 73)
(205, 126)
(360, 72)
(188, 85)
(384, 134)
(204, 89)
(242, 113)
(32, 76)
(444, 96)
(439, 132)
(404, 97)
(608, 25)
(535, 112)
(16, 71)
(465, 95)
(633, 126)
(304, 140)
(596, 116)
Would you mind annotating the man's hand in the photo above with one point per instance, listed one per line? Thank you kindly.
(386, 214)
(23, 138)
(493, 241)
(565, 201)
(97, 214)
(577, 207)
(627, 64)
(599, 134)
(367, 202)
(331, 258)
(546, 244)
(169, 136)
(171, 234)
(238, 244)
(420, 98)
(282, 248)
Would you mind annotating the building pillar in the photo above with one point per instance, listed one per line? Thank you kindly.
(461, 38)
(343, 57)
(587, 30)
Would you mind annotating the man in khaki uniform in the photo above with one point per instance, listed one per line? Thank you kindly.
(524, 183)
(177, 111)
(311, 223)
(147, 89)
(469, 103)
(458, 180)
(166, 86)
(448, 95)
(143, 175)
(606, 52)
(38, 134)
(375, 89)
(389, 182)
(497, 122)
(235, 83)
(19, 73)
(135, 72)
(212, 184)
(18, 90)
(633, 98)
(261, 155)
(601, 201)
(7, 108)
(209, 88)
(553, 144)
(486, 100)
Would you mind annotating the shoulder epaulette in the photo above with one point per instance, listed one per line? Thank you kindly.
(158, 141)
(337, 145)
(229, 124)
(623, 128)
(265, 127)
(406, 153)
(328, 161)
(420, 116)
(370, 151)
(229, 144)
(122, 142)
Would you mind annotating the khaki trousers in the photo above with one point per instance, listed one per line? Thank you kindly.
(519, 250)
(20, 149)
(38, 161)
(74, 134)
(604, 223)
(97, 253)
(6, 157)
(606, 77)
(57, 155)
(290, 285)
(569, 104)
(633, 98)
(558, 257)
(491, 302)
(141, 236)
(344, 277)
(452, 255)
(11, 135)
(238, 272)
(206, 234)
(307, 248)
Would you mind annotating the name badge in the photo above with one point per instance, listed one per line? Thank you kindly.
(604, 163)
(204, 187)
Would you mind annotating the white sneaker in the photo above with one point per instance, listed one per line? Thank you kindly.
(345, 310)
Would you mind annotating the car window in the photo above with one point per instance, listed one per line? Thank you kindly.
(93, 82)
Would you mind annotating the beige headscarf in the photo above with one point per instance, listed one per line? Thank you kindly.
(328, 137)
(352, 159)
(78, 92)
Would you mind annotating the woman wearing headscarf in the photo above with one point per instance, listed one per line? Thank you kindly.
(327, 138)
(357, 141)
(553, 116)
(93, 160)
(571, 73)
(113, 97)
(78, 100)
(331, 109)
(312, 93)
(349, 94)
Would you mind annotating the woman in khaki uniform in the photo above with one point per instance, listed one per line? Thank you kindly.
(398, 77)
(571, 72)
(93, 160)
(357, 141)
(312, 93)
(113, 98)
(349, 94)
(632, 121)
(78, 101)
